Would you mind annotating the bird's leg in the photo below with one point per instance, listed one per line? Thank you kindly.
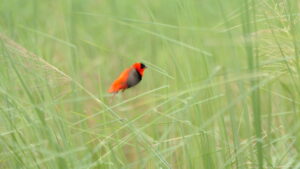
(123, 95)
(112, 98)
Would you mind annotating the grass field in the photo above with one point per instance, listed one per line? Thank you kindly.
(222, 89)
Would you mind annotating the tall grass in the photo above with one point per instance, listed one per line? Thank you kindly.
(221, 91)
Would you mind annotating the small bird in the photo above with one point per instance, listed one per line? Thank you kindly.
(128, 78)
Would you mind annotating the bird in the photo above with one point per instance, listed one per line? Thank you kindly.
(128, 78)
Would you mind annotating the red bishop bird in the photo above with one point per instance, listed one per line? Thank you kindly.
(128, 78)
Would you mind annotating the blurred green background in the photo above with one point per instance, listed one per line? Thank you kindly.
(222, 88)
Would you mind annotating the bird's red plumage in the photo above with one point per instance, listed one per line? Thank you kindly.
(121, 83)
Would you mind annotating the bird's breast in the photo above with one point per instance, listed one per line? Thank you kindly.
(133, 78)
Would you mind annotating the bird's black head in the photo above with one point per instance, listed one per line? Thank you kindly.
(143, 66)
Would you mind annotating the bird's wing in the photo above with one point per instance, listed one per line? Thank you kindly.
(120, 82)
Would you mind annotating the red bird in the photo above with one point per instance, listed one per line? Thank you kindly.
(128, 78)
